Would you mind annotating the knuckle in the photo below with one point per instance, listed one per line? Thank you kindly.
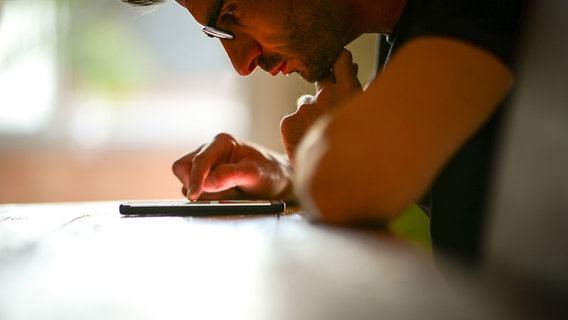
(290, 123)
(176, 166)
(286, 125)
(222, 137)
(307, 110)
(305, 99)
(302, 108)
(179, 165)
(289, 119)
(285, 121)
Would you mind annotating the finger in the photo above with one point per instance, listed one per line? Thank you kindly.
(227, 176)
(182, 167)
(199, 171)
(344, 70)
(181, 171)
(305, 99)
(216, 152)
(329, 79)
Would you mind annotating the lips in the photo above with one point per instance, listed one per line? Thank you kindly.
(279, 68)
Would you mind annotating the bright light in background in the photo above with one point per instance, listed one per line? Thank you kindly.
(147, 122)
(27, 66)
(99, 75)
(99, 91)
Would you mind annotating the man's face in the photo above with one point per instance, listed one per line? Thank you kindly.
(278, 35)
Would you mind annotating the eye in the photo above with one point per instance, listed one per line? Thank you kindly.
(229, 13)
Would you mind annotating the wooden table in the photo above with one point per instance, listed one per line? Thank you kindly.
(86, 261)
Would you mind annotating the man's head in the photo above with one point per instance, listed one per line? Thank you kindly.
(278, 35)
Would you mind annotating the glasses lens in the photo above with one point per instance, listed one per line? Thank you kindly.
(216, 33)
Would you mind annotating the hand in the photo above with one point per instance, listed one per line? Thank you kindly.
(228, 168)
(340, 85)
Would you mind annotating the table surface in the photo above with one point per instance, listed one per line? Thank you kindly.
(86, 261)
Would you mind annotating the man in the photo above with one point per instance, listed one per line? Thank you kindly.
(425, 128)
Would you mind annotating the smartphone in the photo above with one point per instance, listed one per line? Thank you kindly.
(202, 208)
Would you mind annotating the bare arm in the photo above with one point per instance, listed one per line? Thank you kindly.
(378, 153)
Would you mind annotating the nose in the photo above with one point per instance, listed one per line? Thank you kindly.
(243, 53)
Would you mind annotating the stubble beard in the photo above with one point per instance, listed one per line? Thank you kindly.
(313, 39)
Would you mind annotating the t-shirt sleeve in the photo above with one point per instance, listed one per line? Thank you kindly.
(492, 25)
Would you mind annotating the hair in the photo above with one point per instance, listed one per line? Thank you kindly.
(143, 3)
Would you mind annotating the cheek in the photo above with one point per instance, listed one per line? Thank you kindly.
(268, 27)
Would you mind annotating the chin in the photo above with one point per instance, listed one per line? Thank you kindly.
(309, 77)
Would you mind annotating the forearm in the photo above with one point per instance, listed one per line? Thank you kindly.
(379, 153)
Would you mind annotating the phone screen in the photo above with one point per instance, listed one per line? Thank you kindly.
(202, 208)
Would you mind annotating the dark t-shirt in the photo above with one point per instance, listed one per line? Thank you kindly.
(457, 199)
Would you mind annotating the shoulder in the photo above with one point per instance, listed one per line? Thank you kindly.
(492, 25)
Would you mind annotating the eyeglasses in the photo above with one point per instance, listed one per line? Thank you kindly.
(211, 30)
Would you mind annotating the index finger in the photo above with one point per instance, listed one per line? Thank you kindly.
(343, 71)
(208, 157)
(182, 167)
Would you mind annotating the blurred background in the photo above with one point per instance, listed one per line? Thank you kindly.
(98, 98)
